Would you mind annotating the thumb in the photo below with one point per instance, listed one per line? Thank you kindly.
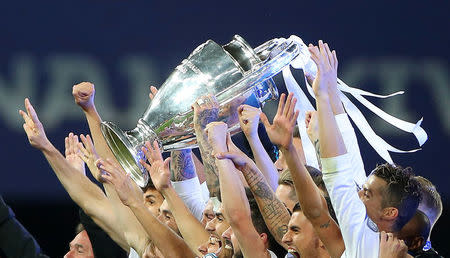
(264, 120)
(167, 162)
(226, 155)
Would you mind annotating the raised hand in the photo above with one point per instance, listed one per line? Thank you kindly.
(206, 110)
(158, 168)
(217, 135)
(249, 119)
(88, 154)
(153, 91)
(391, 246)
(327, 65)
(84, 95)
(127, 190)
(73, 153)
(33, 127)
(281, 131)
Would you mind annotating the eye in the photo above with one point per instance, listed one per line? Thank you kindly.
(220, 219)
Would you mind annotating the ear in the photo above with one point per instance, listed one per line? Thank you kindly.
(416, 243)
(390, 213)
(263, 237)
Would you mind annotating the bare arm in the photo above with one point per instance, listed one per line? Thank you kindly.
(313, 204)
(182, 168)
(86, 194)
(167, 241)
(249, 120)
(234, 200)
(205, 113)
(134, 234)
(275, 214)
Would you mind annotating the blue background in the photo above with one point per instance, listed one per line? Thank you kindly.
(125, 46)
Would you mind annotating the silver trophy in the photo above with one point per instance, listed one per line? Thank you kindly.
(235, 73)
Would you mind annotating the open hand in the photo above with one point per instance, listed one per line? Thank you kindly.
(127, 190)
(33, 127)
(84, 95)
(206, 110)
(249, 120)
(327, 64)
(281, 131)
(88, 154)
(158, 168)
(73, 153)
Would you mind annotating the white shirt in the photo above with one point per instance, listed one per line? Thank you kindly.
(190, 192)
(351, 144)
(133, 254)
(360, 235)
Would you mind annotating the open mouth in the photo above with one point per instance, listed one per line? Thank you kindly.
(228, 244)
(293, 252)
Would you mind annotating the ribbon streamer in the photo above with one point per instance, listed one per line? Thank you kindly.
(303, 61)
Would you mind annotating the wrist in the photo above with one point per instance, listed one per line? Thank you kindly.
(47, 147)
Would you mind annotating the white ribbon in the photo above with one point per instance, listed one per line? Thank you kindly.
(303, 61)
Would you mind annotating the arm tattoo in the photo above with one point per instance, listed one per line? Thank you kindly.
(325, 225)
(182, 165)
(209, 163)
(274, 212)
(207, 116)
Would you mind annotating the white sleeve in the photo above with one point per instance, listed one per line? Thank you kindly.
(349, 209)
(205, 191)
(351, 144)
(190, 192)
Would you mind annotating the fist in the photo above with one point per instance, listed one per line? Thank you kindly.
(217, 135)
(249, 119)
(83, 94)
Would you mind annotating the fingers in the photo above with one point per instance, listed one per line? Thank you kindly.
(153, 91)
(290, 112)
(315, 53)
(323, 54)
(281, 104)
(294, 117)
(31, 112)
(25, 116)
(335, 60)
(264, 120)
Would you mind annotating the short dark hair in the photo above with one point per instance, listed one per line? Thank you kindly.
(317, 178)
(260, 225)
(297, 207)
(430, 198)
(402, 191)
(285, 178)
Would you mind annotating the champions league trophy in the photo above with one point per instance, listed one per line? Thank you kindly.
(234, 73)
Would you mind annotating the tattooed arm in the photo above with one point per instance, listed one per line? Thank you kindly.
(275, 214)
(234, 200)
(205, 113)
(314, 205)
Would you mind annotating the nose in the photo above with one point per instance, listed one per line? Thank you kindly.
(287, 239)
(211, 225)
(203, 248)
(160, 217)
(227, 234)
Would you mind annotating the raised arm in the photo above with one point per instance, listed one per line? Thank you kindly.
(249, 121)
(314, 205)
(275, 214)
(135, 235)
(234, 200)
(167, 241)
(206, 110)
(71, 174)
(182, 167)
